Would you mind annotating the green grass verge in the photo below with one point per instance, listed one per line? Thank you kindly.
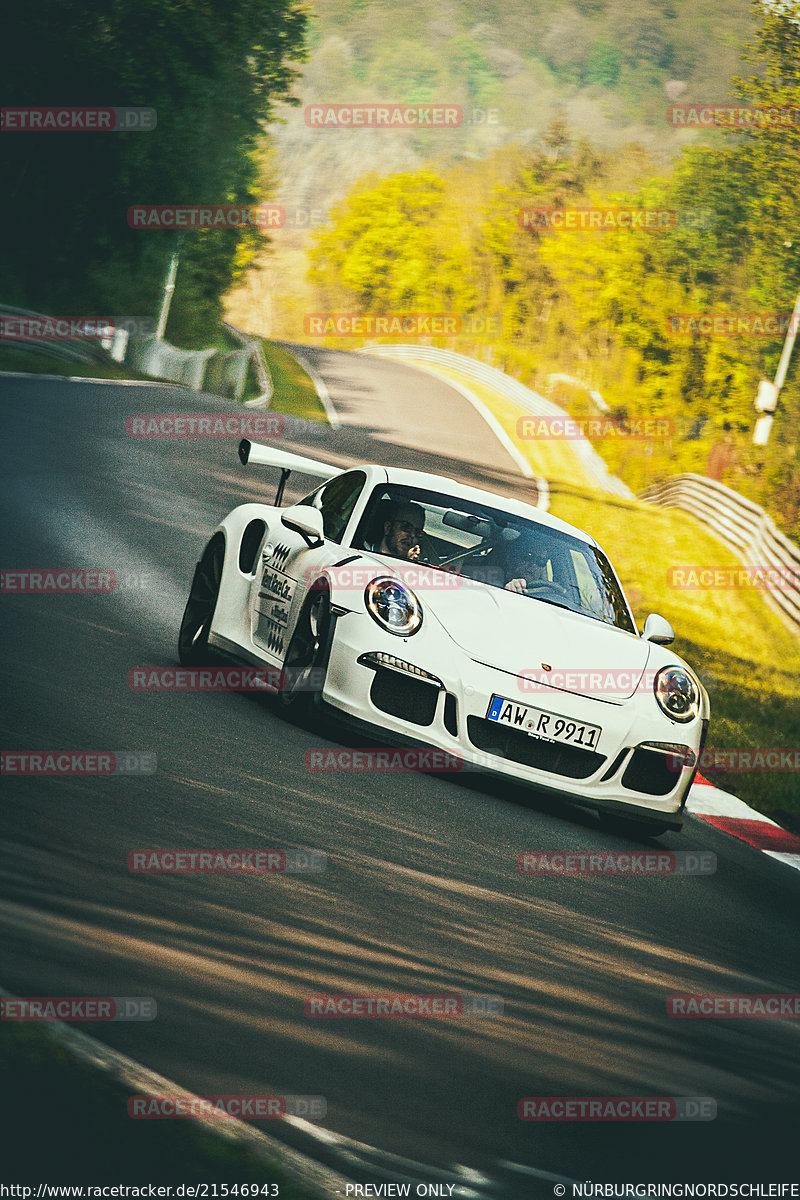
(66, 1122)
(747, 658)
(294, 393)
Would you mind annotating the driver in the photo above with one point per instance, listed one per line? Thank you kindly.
(401, 531)
(526, 565)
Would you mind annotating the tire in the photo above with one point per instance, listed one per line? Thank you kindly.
(303, 673)
(193, 649)
(631, 828)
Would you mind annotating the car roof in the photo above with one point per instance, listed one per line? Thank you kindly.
(424, 480)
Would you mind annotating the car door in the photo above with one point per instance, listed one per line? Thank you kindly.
(288, 566)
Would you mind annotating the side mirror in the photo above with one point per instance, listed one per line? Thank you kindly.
(306, 521)
(658, 629)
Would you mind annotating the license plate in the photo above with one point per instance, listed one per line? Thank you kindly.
(549, 727)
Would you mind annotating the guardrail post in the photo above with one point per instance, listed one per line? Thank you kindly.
(169, 288)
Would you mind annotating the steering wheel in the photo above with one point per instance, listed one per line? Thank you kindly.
(427, 553)
(546, 585)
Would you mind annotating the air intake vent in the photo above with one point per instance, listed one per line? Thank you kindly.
(404, 696)
(451, 714)
(571, 761)
(651, 772)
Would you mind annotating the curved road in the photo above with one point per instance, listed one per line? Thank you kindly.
(422, 893)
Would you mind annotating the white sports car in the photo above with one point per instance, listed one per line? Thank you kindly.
(452, 618)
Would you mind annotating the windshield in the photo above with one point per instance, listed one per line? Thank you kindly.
(493, 547)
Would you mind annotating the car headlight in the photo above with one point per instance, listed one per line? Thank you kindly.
(394, 606)
(677, 693)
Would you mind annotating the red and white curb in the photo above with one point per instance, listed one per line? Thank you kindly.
(726, 812)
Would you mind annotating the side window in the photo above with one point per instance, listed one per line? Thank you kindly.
(337, 501)
(312, 499)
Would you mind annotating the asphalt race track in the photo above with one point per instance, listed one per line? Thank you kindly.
(422, 893)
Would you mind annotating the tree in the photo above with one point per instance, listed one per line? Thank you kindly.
(211, 70)
(388, 248)
(769, 151)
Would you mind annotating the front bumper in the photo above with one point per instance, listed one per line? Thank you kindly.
(619, 776)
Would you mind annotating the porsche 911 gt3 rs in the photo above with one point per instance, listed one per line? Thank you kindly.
(446, 616)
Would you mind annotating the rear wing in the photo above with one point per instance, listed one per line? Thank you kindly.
(271, 456)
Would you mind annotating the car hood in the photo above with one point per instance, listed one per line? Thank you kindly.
(525, 637)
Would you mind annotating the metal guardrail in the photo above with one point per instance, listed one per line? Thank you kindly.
(254, 353)
(744, 527)
(66, 349)
(224, 373)
(512, 389)
(151, 356)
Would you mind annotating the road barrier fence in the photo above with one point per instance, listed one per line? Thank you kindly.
(743, 526)
(224, 373)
